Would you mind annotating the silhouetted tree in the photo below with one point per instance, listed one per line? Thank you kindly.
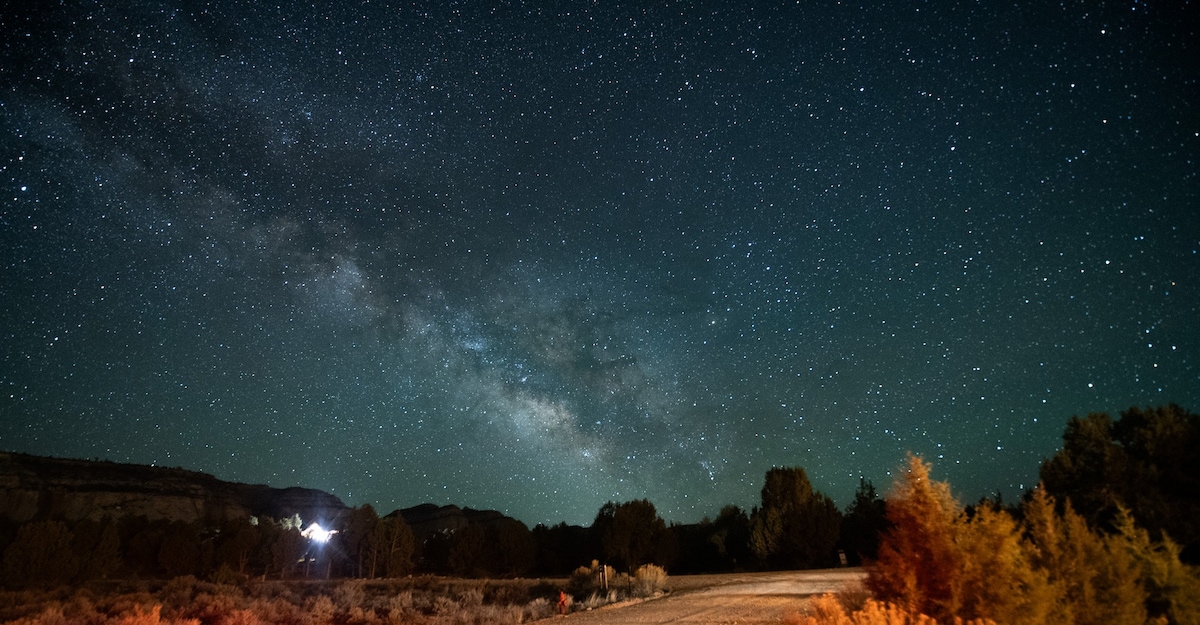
(632, 534)
(287, 547)
(40, 556)
(354, 537)
(731, 535)
(97, 548)
(469, 553)
(516, 549)
(1146, 462)
(560, 548)
(179, 552)
(238, 541)
(863, 524)
(391, 545)
(142, 540)
(698, 553)
(796, 526)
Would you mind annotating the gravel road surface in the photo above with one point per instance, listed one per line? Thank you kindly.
(742, 599)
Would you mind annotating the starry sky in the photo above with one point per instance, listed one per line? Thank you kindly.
(536, 256)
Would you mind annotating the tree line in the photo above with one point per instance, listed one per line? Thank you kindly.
(1141, 466)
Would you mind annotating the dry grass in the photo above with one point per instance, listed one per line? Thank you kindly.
(831, 610)
(187, 601)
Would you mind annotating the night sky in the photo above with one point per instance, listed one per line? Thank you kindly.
(534, 257)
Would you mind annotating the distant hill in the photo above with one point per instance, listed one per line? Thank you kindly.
(428, 519)
(37, 487)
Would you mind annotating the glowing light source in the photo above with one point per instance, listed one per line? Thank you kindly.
(316, 533)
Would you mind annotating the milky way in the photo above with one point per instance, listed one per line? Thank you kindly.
(539, 258)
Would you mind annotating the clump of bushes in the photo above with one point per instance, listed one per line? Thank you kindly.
(829, 610)
(588, 580)
(649, 580)
(599, 585)
(943, 562)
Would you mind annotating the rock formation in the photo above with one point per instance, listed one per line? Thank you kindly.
(36, 487)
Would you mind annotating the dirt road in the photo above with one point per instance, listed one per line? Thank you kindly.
(742, 599)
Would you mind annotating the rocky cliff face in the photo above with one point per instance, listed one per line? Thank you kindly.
(35, 487)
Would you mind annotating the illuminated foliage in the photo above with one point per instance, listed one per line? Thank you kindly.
(1093, 581)
(996, 578)
(918, 560)
(1172, 588)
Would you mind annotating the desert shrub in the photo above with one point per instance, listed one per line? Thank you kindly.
(649, 580)
(621, 583)
(241, 617)
(50, 615)
(400, 608)
(129, 603)
(581, 581)
(81, 608)
(471, 598)
(226, 575)
(445, 606)
(275, 610)
(349, 594)
(179, 591)
(853, 596)
(211, 607)
(828, 610)
(140, 616)
(361, 616)
(493, 615)
(541, 608)
(320, 610)
(594, 601)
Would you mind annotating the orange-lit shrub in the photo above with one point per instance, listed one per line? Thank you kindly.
(918, 560)
(828, 610)
(1050, 568)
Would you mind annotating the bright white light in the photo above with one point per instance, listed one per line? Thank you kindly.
(316, 533)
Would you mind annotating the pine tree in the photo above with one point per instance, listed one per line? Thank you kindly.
(918, 560)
